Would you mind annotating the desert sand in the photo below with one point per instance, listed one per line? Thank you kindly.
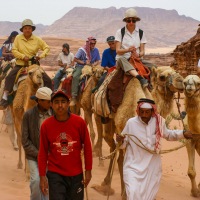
(175, 184)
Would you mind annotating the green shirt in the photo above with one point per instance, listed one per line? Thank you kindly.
(23, 47)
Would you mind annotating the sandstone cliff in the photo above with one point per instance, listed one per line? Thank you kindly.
(186, 55)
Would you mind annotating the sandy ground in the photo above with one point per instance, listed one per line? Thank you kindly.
(175, 184)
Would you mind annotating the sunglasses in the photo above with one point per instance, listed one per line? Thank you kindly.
(131, 20)
(93, 43)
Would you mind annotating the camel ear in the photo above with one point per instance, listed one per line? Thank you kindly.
(154, 71)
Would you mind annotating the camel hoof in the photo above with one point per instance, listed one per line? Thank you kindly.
(19, 166)
(16, 148)
(104, 190)
(101, 163)
(195, 193)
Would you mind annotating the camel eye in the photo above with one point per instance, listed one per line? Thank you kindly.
(162, 78)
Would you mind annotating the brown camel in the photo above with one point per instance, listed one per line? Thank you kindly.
(22, 102)
(127, 110)
(84, 101)
(8, 120)
(166, 82)
(192, 107)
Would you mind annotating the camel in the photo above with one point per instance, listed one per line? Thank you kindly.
(8, 120)
(84, 101)
(192, 107)
(166, 82)
(22, 102)
(127, 110)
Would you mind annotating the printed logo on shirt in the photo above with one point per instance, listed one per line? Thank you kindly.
(64, 144)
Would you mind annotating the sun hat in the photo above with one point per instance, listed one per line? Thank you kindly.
(110, 39)
(27, 22)
(131, 12)
(42, 93)
(59, 92)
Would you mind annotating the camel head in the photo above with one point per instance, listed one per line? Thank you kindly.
(98, 71)
(167, 78)
(35, 73)
(191, 85)
(69, 72)
(86, 71)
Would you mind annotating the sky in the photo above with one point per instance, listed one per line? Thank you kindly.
(48, 11)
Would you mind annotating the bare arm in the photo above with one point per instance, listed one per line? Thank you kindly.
(142, 50)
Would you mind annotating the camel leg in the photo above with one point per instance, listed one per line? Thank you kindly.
(88, 119)
(98, 146)
(198, 151)
(120, 166)
(108, 136)
(12, 136)
(17, 122)
(191, 168)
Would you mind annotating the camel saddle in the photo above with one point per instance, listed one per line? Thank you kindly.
(117, 85)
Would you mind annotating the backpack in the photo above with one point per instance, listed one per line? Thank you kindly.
(123, 33)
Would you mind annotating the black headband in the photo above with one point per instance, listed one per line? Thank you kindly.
(144, 100)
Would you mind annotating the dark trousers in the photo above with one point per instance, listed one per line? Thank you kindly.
(10, 79)
(65, 187)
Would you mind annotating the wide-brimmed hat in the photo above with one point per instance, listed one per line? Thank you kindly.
(131, 12)
(59, 92)
(42, 93)
(27, 22)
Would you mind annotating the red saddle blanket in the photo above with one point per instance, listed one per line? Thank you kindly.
(67, 85)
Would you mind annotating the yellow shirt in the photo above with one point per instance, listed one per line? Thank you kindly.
(23, 47)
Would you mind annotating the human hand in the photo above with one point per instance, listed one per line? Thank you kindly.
(88, 176)
(187, 134)
(131, 49)
(119, 138)
(87, 62)
(44, 185)
(37, 58)
(26, 59)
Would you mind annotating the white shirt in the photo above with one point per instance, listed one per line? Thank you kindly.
(142, 170)
(130, 39)
(198, 65)
(66, 59)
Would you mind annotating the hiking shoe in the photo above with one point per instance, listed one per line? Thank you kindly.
(144, 83)
(73, 101)
(3, 104)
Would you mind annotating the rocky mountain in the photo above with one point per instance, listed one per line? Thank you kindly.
(186, 55)
(163, 28)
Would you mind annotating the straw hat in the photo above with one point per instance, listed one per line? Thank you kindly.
(27, 22)
(131, 13)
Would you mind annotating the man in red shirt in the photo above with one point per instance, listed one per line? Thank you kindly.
(62, 138)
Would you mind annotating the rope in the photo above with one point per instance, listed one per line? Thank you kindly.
(141, 145)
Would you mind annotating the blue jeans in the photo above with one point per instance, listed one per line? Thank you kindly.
(36, 193)
(59, 75)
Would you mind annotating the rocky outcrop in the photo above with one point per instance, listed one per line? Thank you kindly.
(186, 55)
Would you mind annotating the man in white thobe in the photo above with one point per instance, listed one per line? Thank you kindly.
(142, 170)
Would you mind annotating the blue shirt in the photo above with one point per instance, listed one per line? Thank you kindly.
(81, 55)
(108, 58)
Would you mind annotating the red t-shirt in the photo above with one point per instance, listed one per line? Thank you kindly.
(61, 144)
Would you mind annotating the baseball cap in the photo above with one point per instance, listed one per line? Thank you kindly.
(110, 39)
(59, 92)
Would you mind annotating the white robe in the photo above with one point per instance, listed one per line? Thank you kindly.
(142, 170)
